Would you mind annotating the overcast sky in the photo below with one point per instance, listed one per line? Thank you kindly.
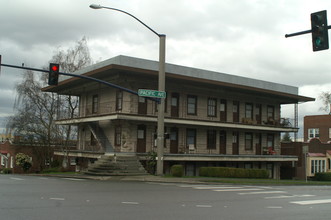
(239, 37)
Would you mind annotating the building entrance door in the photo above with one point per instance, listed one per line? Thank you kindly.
(142, 106)
(222, 142)
(235, 143)
(141, 139)
(174, 140)
(174, 105)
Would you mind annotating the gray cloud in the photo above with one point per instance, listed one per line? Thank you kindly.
(237, 37)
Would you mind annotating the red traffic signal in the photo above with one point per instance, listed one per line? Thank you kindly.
(53, 76)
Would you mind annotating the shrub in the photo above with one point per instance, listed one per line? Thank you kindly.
(323, 176)
(233, 172)
(52, 170)
(7, 171)
(23, 161)
(177, 170)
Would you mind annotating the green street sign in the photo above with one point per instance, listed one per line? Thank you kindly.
(152, 93)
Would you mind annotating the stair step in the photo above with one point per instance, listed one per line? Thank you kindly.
(117, 165)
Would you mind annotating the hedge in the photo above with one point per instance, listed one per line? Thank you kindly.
(322, 176)
(177, 170)
(233, 172)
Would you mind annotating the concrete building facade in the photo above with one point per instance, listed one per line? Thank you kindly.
(211, 118)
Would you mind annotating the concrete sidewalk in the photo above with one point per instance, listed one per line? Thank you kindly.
(140, 178)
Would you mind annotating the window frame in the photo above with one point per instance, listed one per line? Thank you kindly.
(271, 112)
(212, 107)
(95, 104)
(189, 136)
(192, 106)
(211, 139)
(119, 100)
(313, 133)
(248, 141)
(249, 110)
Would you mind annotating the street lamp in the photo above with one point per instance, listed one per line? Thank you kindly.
(160, 116)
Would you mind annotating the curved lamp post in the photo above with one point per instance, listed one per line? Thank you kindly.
(160, 117)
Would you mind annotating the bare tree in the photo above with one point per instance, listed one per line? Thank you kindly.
(36, 111)
(326, 99)
(34, 114)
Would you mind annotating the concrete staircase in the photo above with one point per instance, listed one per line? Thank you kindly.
(116, 165)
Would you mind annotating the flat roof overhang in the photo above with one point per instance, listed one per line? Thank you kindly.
(191, 122)
(72, 85)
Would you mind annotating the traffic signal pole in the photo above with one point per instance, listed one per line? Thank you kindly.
(80, 76)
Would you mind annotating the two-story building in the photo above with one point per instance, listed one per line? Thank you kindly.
(212, 118)
(317, 126)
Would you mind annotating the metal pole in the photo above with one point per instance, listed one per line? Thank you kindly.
(160, 117)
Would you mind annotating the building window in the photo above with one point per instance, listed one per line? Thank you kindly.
(191, 105)
(95, 102)
(211, 107)
(211, 139)
(119, 100)
(73, 161)
(191, 138)
(118, 136)
(271, 112)
(248, 141)
(318, 166)
(2, 160)
(313, 133)
(249, 110)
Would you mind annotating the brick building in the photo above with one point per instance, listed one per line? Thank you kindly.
(317, 126)
(313, 157)
(8, 152)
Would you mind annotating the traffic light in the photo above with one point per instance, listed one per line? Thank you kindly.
(319, 30)
(53, 76)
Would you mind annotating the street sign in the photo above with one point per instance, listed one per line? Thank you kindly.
(152, 93)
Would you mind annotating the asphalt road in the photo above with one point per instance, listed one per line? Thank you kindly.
(33, 197)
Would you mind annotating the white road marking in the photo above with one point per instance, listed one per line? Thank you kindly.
(285, 197)
(131, 203)
(312, 202)
(235, 190)
(16, 178)
(74, 179)
(192, 186)
(60, 199)
(217, 187)
(263, 192)
(274, 207)
(204, 206)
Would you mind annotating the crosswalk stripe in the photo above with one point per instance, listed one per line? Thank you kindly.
(263, 192)
(16, 178)
(286, 197)
(234, 190)
(217, 187)
(312, 202)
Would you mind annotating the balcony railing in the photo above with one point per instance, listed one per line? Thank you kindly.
(131, 108)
